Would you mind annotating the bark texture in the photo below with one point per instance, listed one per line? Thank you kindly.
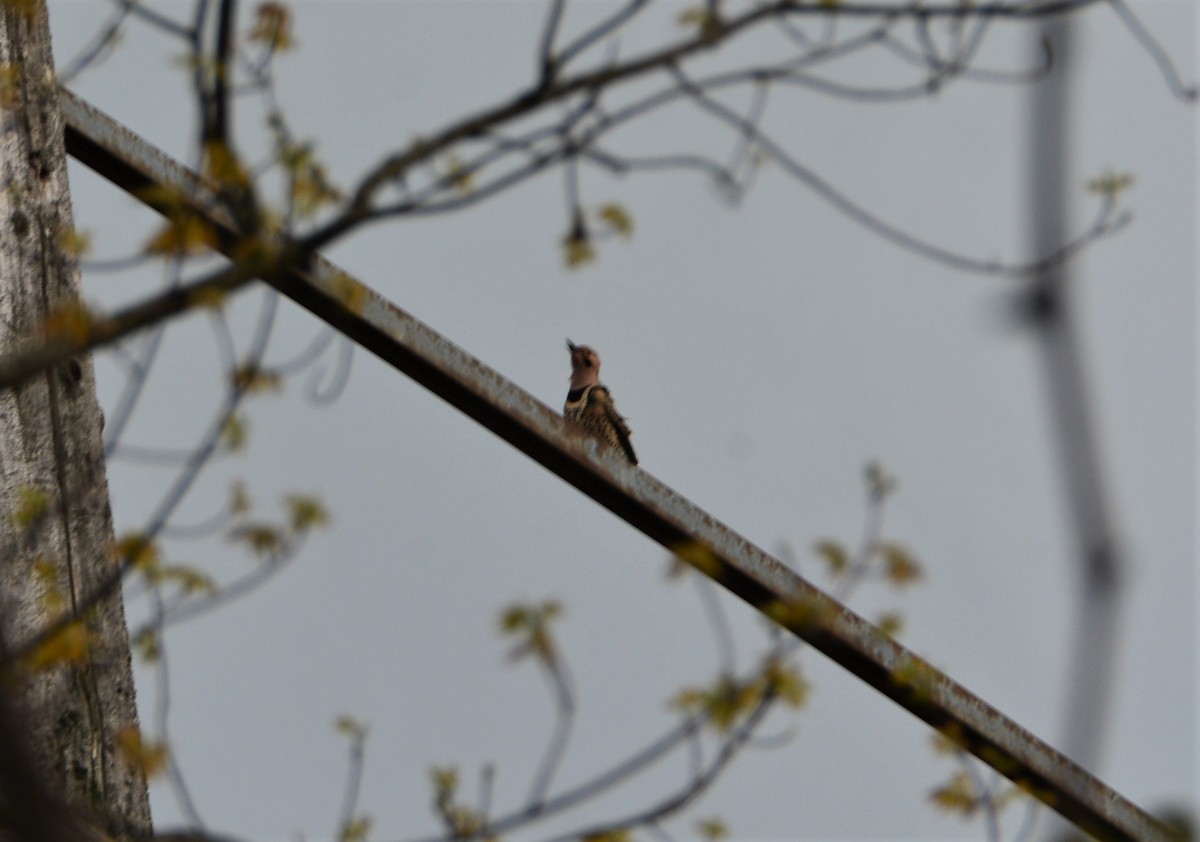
(55, 523)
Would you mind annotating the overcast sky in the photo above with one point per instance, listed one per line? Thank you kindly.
(763, 353)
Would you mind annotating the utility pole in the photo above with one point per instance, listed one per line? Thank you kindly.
(65, 700)
(1091, 673)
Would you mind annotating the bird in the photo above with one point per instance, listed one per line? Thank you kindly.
(590, 404)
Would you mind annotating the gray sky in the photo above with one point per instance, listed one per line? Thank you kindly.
(763, 354)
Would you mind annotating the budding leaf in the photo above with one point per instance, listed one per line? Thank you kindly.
(304, 513)
(899, 567)
(617, 218)
(72, 644)
(150, 758)
(713, 830)
(32, 505)
(835, 557)
(273, 26)
(956, 796)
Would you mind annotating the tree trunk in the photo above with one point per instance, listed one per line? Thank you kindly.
(66, 706)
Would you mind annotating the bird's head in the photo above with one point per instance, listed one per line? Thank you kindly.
(585, 365)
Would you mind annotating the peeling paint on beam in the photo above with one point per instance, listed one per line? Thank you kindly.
(642, 501)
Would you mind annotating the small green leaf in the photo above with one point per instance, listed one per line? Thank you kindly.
(74, 241)
(786, 682)
(713, 830)
(239, 499)
(70, 645)
(915, 674)
(899, 567)
(273, 26)
(305, 512)
(261, 538)
(723, 704)
(351, 727)
(530, 623)
(890, 623)
(514, 619)
(135, 550)
(578, 250)
(235, 431)
(356, 830)
(149, 758)
(251, 378)
(957, 795)
(700, 18)
(445, 783)
(191, 580)
(949, 739)
(185, 233)
(458, 174)
(699, 556)
(617, 218)
(620, 834)
(146, 644)
(835, 557)
(577, 243)
(879, 482)
(32, 505)
(1111, 184)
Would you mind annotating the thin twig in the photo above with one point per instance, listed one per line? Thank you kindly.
(1155, 50)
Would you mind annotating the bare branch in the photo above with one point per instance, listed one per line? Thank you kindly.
(689, 792)
(601, 31)
(139, 10)
(564, 719)
(719, 623)
(548, 61)
(353, 786)
(978, 74)
(1105, 224)
(1150, 44)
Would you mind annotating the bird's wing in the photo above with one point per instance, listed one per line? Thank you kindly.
(600, 403)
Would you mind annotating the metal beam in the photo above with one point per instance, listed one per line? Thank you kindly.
(638, 498)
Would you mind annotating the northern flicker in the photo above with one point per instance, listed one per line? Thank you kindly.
(590, 405)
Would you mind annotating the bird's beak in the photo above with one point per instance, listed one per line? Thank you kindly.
(570, 345)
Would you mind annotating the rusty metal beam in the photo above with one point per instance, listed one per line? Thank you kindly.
(641, 500)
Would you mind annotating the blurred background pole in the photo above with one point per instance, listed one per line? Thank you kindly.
(1053, 313)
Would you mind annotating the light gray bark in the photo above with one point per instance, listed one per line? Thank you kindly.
(50, 446)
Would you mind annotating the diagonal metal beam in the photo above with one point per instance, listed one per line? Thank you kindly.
(638, 498)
